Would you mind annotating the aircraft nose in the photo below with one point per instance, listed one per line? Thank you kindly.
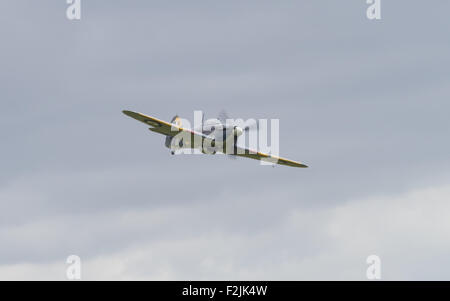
(238, 131)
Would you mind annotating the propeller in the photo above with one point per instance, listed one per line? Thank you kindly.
(222, 117)
(203, 120)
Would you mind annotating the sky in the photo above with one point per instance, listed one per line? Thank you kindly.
(363, 102)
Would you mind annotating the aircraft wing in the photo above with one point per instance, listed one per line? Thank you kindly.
(163, 127)
(247, 153)
(169, 129)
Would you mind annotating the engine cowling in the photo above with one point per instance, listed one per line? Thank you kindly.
(237, 131)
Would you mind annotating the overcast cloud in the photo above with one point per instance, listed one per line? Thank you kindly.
(364, 103)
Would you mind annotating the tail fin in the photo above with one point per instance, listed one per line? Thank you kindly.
(176, 120)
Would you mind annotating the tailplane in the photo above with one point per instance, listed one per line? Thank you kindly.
(176, 120)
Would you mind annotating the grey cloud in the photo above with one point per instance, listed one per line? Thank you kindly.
(363, 103)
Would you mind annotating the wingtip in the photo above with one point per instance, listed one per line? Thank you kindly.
(129, 113)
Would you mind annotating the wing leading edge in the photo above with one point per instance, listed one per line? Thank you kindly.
(247, 153)
(165, 128)
(157, 125)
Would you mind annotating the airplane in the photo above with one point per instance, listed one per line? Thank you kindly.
(211, 139)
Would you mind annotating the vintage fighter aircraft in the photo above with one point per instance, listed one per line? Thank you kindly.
(211, 139)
